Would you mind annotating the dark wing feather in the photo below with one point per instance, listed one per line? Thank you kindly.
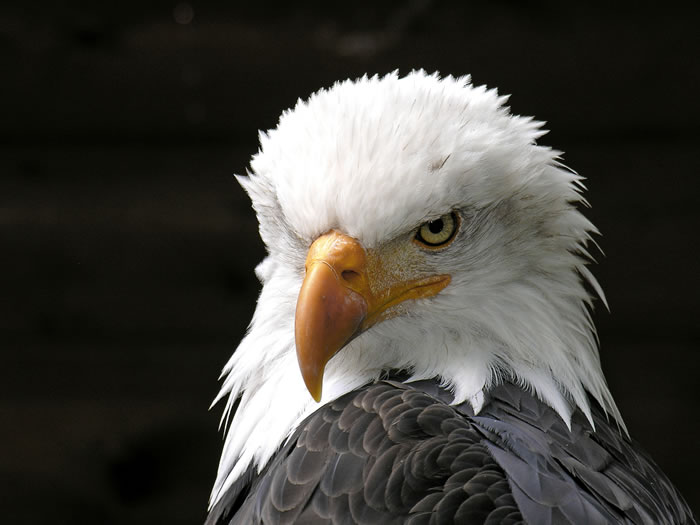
(386, 453)
(606, 477)
(400, 453)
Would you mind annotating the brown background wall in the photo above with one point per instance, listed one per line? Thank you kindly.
(128, 248)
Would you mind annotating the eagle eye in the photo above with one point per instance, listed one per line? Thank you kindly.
(438, 233)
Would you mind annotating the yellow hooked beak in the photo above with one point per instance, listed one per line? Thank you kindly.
(345, 292)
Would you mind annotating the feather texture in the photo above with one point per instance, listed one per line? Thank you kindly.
(375, 158)
(506, 415)
(400, 453)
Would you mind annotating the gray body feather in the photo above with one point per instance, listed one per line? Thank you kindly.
(396, 452)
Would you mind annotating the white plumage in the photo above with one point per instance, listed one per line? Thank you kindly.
(375, 159)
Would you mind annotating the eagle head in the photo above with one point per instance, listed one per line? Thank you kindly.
(411, 223)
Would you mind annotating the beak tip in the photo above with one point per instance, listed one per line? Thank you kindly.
(314, 388)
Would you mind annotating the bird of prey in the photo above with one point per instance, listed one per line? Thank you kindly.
(422, 350)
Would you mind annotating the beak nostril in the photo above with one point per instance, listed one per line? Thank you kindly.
(350, 276)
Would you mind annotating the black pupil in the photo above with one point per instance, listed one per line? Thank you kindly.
(436, 226)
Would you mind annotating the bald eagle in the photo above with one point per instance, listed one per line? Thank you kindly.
(422, 349)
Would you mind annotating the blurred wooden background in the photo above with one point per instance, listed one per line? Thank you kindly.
(128, 249)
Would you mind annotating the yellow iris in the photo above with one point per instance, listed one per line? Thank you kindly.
(438, 233)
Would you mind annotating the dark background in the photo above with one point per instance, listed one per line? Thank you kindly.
(128, 248)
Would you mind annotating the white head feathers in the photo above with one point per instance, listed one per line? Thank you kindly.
(375, 158)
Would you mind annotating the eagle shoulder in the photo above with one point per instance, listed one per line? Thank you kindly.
(396, 452)
(386, 453)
